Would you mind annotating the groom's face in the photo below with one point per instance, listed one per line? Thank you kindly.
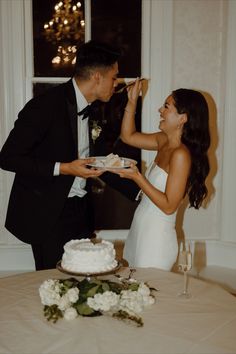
(106, 82)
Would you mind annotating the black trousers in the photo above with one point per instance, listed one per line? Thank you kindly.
(75, 222)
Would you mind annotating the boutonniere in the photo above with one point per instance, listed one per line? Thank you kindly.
(95, 131)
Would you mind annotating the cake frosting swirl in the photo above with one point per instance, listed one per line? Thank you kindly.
(84, 256)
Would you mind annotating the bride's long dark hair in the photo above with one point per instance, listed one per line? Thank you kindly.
(196, 137)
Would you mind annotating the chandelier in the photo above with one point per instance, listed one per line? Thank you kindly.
(65, 29)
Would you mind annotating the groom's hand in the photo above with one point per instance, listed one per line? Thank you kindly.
(79, 168)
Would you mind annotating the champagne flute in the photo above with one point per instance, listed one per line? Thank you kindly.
(185, 264)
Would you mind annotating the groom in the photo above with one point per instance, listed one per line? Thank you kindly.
(48, 151)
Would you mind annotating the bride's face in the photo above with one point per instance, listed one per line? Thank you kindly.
(169, 117)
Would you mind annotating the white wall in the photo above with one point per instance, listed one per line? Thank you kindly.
(204, 54)
(186, 43)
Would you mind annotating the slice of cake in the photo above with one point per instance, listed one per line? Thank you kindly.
(113, 160)
(84, 256)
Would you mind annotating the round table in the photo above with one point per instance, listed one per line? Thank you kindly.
(205, 323)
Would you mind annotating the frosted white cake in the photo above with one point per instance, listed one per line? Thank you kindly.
(83, 256)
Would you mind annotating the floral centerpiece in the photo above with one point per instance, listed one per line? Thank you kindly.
(70, 298)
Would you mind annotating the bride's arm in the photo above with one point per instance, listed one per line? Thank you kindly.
(129, 135)
(169, 200)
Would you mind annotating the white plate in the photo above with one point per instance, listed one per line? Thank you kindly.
(101, 159)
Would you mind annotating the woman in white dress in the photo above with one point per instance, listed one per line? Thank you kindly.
(180, 166)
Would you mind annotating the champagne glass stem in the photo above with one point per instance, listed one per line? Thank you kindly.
(185, 282)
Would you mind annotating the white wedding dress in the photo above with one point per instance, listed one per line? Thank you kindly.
(152, 240)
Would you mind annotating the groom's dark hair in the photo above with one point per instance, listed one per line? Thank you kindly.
(95, 55)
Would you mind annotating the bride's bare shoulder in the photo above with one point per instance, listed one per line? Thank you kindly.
(181, 155)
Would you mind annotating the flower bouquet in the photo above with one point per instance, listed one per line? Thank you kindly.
(70, 298)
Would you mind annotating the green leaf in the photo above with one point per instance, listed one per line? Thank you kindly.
(52, 313)
(86, 285)
(116, 287)
(123, 315)
(71, 282)
(105, 287)
(92, 291)
(134, 286)
(84, 309)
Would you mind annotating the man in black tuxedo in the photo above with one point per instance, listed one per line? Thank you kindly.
(48, 149)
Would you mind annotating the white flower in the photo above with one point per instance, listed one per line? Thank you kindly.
(69, 298)
(96, 131)
(103, 302)
(64, 294)
(73, 295)
(132, 280)
(131, 301)
(145, 292)
(143, 289)
(49, 292)
(134, 301)
(57, 286)
(64, 303)
(70, 314)
(149, 300)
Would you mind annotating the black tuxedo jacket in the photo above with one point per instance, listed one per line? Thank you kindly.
(44, 133)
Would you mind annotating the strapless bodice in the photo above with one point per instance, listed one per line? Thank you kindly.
(157, 177)
(152, 240)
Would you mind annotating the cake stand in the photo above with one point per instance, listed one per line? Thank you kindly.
(88, 275)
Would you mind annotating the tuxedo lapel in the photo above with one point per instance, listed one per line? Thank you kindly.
(96, 118)
(72, 111)
(73, 117)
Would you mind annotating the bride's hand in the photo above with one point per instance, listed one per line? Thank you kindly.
(134, 91)
(131, 173)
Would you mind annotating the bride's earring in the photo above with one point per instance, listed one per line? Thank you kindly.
(179, 128)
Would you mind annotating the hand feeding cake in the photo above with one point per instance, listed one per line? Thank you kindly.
(84, 256)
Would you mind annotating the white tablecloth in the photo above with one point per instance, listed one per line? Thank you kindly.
(205, 323)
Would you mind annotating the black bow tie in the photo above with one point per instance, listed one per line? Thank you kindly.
(85, 112)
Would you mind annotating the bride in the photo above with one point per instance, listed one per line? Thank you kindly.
(181, 166)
